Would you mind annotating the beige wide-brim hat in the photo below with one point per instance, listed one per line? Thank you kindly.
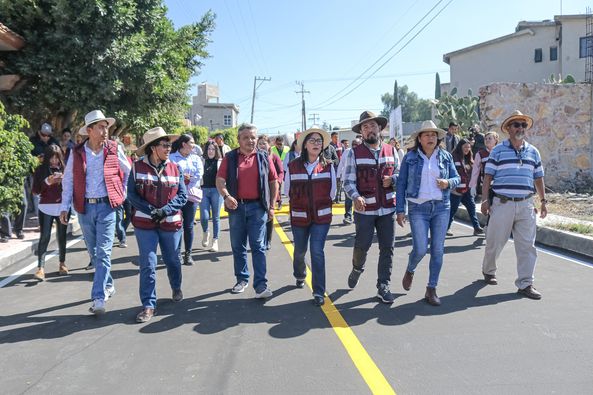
(428, 126)
(152, 135)
(94, 117)
(516, 116)
(314, 129)
(369, 116)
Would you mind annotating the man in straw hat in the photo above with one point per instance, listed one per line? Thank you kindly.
(246, 180)
(370, 175)
(157, 191)
(94, 183)
(513, 174)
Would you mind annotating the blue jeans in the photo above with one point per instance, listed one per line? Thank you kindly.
(98, 229)
(189, 215)
(211, 202)
(315, 234)
(365, 226)
(249, 221)
(148, 240)
(124, 216)
(430, 216)
(347, 207)
(470, 205)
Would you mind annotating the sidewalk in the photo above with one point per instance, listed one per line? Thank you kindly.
(16, 250)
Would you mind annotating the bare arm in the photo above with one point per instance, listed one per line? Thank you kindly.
(485, 190)
(541, 192)
(229, 201)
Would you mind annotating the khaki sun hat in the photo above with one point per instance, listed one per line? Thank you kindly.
(516, 116)
(314, 129)
(152, 135)
(428, 126)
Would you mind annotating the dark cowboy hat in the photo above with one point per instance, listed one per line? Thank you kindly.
(369, 116)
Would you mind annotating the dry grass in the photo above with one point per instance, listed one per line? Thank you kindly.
(572, 206)
(583, 229)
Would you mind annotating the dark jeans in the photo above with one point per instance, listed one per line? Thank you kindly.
(7, 225)
(123, 218)
(365, 227)
(314, 235)
(45, 223)
(347, 207)
(470, 205)
(269, 232)
(189, 215)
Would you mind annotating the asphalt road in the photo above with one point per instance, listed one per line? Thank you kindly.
(482, 340)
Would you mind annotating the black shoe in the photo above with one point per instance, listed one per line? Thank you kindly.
(490, 279)
(530, 292)
(89, 266)
(4, 239)
(187, 259)
(478, 232)
(177, 295)
(384, 294)
(354, 277)
(318, 300)
(300, 283)
(20, 235)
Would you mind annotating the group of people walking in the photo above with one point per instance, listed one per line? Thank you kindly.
(421, 187)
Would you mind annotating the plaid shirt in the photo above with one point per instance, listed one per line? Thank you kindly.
(349, 180)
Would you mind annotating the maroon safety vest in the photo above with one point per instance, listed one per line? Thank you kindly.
(112, 174)
(369, 176)
(310, 200)
(158, 189)
(484, 154)
(464, 174)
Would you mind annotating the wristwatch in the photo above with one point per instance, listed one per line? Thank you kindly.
(225, 196)
(544, 201)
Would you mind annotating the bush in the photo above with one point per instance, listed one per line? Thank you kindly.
(16, 161)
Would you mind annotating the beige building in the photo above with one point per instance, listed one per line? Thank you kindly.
(206, 110)
(531, 54)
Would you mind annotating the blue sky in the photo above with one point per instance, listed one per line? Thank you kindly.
(330, 44)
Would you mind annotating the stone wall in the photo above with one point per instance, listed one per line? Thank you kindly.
(561, 128)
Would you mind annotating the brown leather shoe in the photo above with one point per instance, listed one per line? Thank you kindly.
(63, 270)
(490, 279)
(145, 315)
(530, 292)
(431, 296)
(407, 280)
(40, 274)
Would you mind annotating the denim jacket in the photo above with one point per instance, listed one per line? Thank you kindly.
(408, 182)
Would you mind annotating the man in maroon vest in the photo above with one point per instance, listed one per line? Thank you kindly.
(370, 174)
(94, 183)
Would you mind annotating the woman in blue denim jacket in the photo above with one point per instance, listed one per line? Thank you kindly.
(426, 178)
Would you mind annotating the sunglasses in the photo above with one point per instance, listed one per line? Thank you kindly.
(520, 124)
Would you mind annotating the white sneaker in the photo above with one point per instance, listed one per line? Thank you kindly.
(214, 247)
(98, 307)
(109, 292)
(265, 293)
(206, 239)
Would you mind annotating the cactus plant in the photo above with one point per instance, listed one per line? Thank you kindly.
(462, 110)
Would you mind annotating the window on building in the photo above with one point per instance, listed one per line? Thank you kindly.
(553, 53)
(538, 55)
(586, 47)
(228, 120)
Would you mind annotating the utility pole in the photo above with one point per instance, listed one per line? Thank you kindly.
(303, 116)
(261, 81)
(314, 118)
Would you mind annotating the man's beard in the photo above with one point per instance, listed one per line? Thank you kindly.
(519, 135)
(371, 139)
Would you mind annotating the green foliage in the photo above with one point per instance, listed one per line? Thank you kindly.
(16, 161)
(122, 56)
(463, 110)
(437, 87)
(230, 136)
(553, 79)
(413, 108)
(200, 133)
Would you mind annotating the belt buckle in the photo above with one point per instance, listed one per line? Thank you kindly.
(92, 200)
(503, 199)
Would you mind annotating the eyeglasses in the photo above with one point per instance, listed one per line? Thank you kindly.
(315, 141)
(166, 145)
(520, 124)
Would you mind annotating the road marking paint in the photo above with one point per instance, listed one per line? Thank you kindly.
(369, 371)
(33, 264)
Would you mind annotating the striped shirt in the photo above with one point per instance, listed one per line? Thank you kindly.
(513, 171)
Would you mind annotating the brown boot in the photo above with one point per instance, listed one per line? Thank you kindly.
(407, 280)
(40, 274)
(63, 270)
(431, 296)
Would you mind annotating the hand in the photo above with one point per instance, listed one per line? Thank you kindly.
(442, 183)
(543, 211)
(64, 217)
(231, 203)
(387, 181)
(401, 219)
(359, 204)
(157, 215)
(472, 191)
(485, 207)
(270, 214)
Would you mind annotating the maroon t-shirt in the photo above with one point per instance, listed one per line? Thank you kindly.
(248, 174)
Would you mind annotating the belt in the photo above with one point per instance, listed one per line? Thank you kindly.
(104, 199)
(504, 199)
(247, 200)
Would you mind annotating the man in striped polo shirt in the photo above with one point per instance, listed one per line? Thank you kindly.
(512, 176)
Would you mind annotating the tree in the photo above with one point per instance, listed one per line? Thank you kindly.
(437, 87)
(16, 161)
(121, 56)
(413, 108)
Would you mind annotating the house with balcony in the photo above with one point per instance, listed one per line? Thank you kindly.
(206, 109)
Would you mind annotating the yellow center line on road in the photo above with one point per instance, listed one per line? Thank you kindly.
(362, 360)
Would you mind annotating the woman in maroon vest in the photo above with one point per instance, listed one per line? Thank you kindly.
(263, 143)
(47, 183)
(462, 158)
(156, 189)
(310, 183)
(491, 139)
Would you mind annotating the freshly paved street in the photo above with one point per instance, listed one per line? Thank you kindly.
(482, 340)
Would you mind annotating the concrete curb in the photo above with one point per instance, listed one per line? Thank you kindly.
(27, 249)
(571, 242)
